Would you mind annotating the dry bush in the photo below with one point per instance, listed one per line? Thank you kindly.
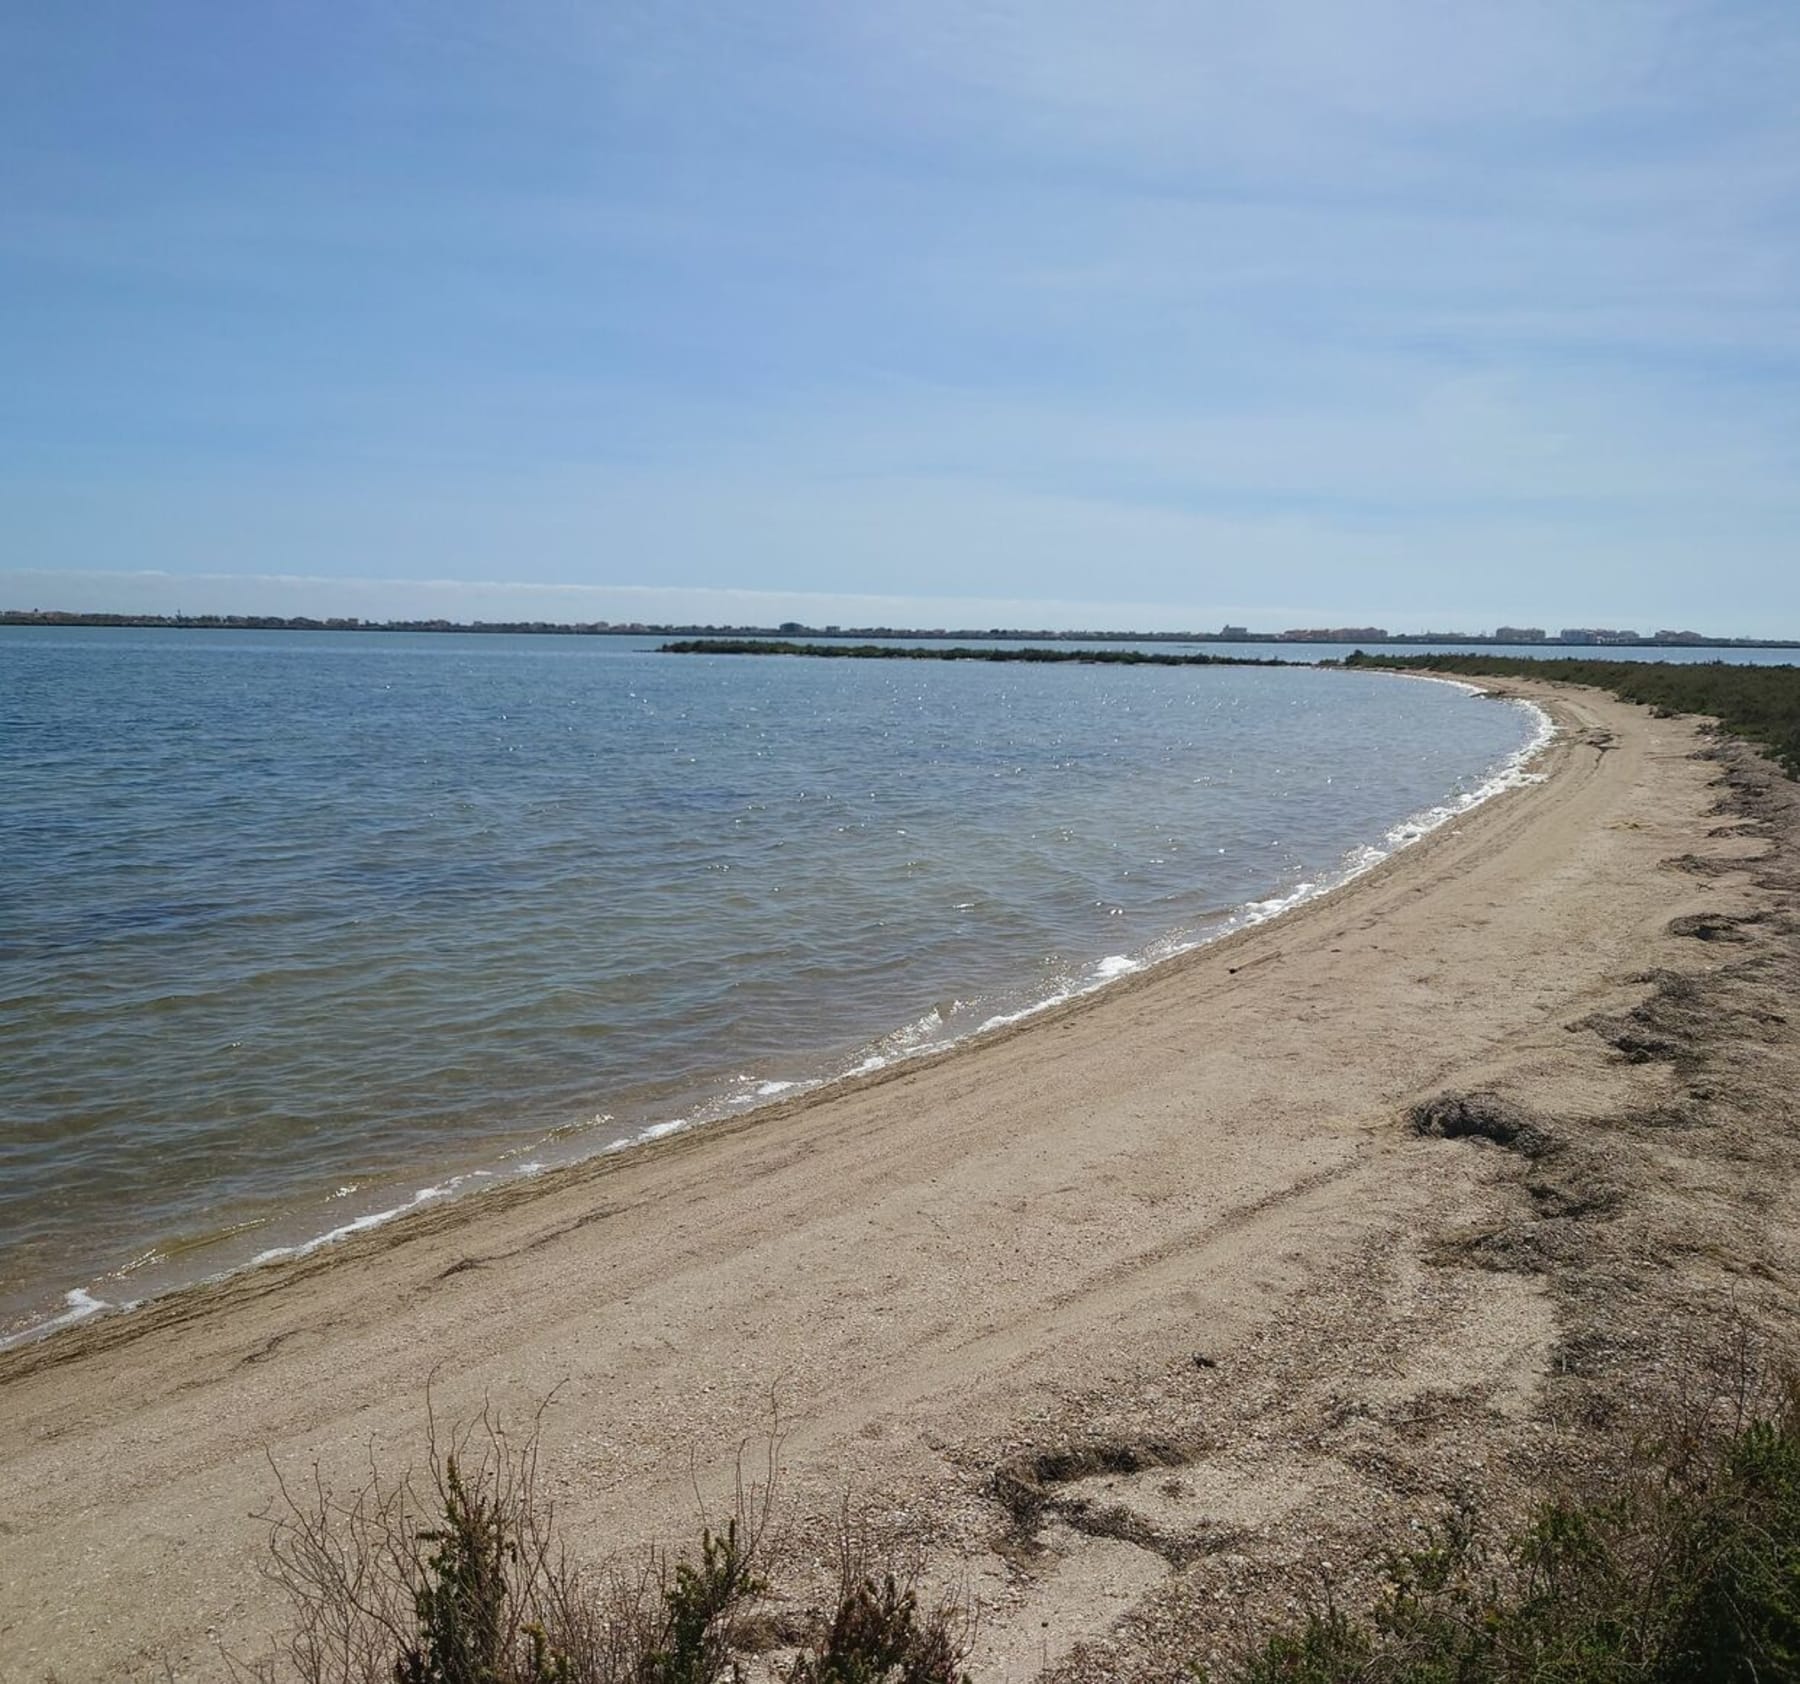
(460, 1578)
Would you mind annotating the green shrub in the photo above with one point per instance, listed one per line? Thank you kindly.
(1741, 1619)
(466, 1633)
(879, 1635)
(693, 1646)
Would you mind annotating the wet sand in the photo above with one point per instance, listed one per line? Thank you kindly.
(1187, 1208)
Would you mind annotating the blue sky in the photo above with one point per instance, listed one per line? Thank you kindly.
(1141, 313)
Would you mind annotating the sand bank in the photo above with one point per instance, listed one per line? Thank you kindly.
(945, 1267)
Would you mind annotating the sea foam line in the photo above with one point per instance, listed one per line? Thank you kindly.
(374, 1219)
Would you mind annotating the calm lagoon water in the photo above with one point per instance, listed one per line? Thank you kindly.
(297, 929)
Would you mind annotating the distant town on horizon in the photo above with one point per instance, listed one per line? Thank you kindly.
(1579, 637)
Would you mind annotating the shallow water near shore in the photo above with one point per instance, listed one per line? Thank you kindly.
(302, 931)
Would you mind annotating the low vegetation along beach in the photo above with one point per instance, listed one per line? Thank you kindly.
(1403, 1288)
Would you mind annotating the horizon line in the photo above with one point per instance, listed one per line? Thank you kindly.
(1569, 637)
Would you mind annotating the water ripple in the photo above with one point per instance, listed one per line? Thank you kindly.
(286, 916)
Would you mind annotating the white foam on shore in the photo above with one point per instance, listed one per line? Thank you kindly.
(78, 1305)
(923, 1034)
(650, 1132)
(374, 1219)
(1002, 1020)
(753, 1092)
(1513, 773)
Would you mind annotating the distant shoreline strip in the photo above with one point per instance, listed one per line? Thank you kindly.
(1343, 637)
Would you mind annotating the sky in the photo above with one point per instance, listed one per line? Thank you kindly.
(1425, 313)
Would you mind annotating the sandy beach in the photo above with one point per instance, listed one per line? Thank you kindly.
(1188, 1211)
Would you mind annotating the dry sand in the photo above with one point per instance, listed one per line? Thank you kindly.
(1184, 1222)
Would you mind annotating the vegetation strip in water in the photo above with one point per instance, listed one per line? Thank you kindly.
(1761, 704)
(958, 652)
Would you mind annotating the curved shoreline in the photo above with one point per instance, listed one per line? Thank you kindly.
(1028, 1243)
(83, 1304)
(107, 1327)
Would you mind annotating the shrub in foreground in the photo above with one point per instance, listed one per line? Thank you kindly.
(460, 1579)
(881, 1633)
